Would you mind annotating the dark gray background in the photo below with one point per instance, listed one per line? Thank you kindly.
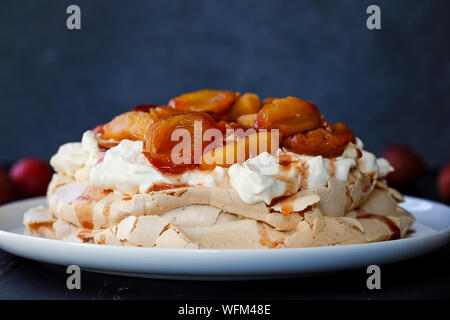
(390, 85)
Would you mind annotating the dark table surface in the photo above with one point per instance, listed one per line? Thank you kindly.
(425, 277)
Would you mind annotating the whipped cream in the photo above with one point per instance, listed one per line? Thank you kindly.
(90, 144)
(317, 171)
(317, 168)
(125, 169)
(255, 181)
(208, 178)
(69, 158)
(342, 168)
(384, 167)
(369, 163)
(76, 159)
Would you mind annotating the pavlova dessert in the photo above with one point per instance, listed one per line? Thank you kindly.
(218, 169)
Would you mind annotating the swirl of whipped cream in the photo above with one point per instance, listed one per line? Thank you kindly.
(255, 181)
(125, 169)
(76, 159)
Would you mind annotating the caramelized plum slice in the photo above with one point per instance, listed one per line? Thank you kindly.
(328, 142)
(247, 120)
(130, 125)
(164, 112)
(161, 150)
(133, 125)
(159, 111)
(248, 103)
(226, 127)
(290, 115)
(239, 150)
(144, 107)
(269, 100)
(206, 100)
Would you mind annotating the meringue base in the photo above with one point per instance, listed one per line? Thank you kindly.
(206, 227)
(216, 218)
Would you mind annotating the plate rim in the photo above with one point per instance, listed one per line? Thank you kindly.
(216, 264)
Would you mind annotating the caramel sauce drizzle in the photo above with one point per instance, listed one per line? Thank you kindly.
(359, 153)
(105, 145)
(265, 239)
(347, 191)
(84, 234)
(106, 211)
(388, 222)
(287, 206)
(102, 157)
(285, 160)
(305, 176)
(83, 207)
(286, 209)
(332, 168)
(164, 186)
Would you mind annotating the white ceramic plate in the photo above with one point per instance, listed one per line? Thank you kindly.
(431, 231)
